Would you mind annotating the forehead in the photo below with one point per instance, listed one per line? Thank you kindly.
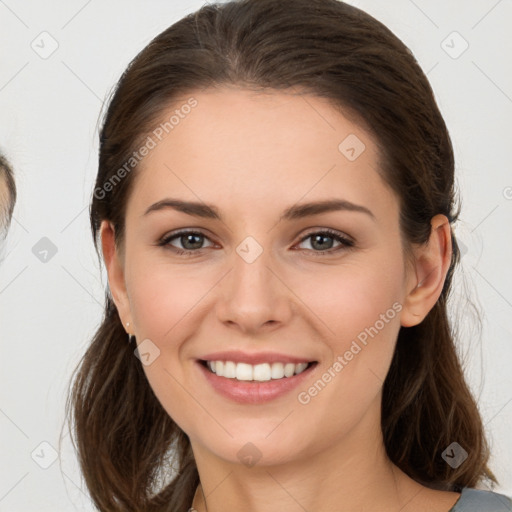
(239, 148)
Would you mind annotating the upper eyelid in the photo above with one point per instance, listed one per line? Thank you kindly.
(311, 231)
(166, 239)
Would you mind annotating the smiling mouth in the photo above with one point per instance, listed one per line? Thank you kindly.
(256, 373)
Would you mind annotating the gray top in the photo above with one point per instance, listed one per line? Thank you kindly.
(478, 500)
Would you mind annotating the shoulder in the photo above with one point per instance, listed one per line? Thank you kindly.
(478, 500)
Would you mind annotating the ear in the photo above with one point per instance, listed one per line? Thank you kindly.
(115, 272)
(427, 276)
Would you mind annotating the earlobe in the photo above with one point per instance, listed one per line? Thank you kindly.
(431, 265)
(115, 272)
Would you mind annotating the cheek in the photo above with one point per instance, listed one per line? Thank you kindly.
(165, 303)
(163, 296)
(352, 298)
(359, 306)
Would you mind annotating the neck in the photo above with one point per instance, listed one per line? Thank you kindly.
(353, 474)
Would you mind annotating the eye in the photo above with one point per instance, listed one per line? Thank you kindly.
(191, 242)
(320, 240)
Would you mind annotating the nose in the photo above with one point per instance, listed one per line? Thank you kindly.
(253, 296)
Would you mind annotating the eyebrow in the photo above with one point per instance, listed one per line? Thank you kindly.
(298, 211)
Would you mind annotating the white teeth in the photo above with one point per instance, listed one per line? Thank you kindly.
(230, 370)
(277, 371)
(259, 372)
(289, 369)
(243, 372)
(301, 367)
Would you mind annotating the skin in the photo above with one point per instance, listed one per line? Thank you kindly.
(5, 200)
(252, 155)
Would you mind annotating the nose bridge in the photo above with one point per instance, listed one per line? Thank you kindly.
(251, 278)
(253, 295)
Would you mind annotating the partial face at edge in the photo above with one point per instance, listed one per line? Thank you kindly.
(5, 203)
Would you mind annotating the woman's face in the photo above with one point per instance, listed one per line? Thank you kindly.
(254, 280)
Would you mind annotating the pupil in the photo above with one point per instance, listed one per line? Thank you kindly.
(321, 237)
(197, 245)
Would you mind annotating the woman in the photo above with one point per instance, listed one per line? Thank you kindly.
(274, 204)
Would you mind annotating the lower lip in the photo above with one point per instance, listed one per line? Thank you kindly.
(252, 392)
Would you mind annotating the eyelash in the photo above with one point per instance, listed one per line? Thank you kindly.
(346, 243)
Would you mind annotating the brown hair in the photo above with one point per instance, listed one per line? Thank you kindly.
(7, 200)
(125, 439)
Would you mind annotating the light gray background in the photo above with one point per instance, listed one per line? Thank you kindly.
(49, 112)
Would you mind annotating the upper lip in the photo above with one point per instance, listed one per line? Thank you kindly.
(255, 358)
